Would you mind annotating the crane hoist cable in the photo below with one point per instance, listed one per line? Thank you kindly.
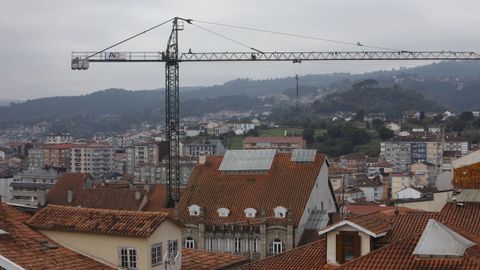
(228, 38)
(132, 37)
(356, 44)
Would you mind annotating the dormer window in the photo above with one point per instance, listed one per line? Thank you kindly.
(250, 212)
(280, 212)
(194, 210)
(223, 212)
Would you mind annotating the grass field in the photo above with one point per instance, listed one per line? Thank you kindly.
(280, 131)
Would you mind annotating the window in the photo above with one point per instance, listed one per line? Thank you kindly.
(348, 246)
(276, 247)
(280, 212)
(194, 210)
(237, 247)
(172, 248)
(156, 254)
(254, 245)
(209, 244)
(189, 242)
(128, 258)
(250, 212)
(223, 212)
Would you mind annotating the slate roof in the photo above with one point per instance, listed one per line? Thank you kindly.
(309, 257)
(105, 198)
(286, 184)
(28, 248)
(89, 220)
(194, 259)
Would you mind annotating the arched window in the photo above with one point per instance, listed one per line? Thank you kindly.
(223, 212)
(280, 212)
(250, 212)
(194, 210)
(276, 247)
(189, 242)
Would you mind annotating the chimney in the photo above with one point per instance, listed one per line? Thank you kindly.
(42, 201)
(202, 159)
(138, 195)
(69, 196)
(147, 188)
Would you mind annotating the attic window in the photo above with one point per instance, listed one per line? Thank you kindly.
(194, 210)
(280, 212)
(250, 212)
(223, 212)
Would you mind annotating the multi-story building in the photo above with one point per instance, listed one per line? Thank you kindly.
(400, 181)
(418, 150)
(425, 173)
(397, 153)
(454, 145)
(434, 153)
(282, 144)
(95, 159)
(208, 147)
(156, 173)
(50, 155)
(356, 162)
(28, 187)
(36, 158)
(144, 155)
(242, 203)
(59, 137)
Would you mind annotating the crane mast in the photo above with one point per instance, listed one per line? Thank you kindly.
(172, 115)
(172, 57)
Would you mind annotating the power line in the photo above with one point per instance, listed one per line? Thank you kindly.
(357, 44)
(132, 37)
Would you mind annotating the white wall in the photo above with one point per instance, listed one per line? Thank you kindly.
(409, 193)
(320, 193)
(332, 243)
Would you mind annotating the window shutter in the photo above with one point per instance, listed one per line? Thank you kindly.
(339, 248)
(358, 245)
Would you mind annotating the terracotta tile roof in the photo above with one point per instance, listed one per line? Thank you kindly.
(387, 210)
(89, 220)
(24, 246)
(105, 198)
(311, 256)
(194, 259)
(286, 184)
(399, 255)
(375, 223)
(273, 140)
(309, 236)
(403, 226)
(465, 216)
(339, 170)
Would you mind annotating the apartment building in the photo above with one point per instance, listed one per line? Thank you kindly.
(282, 144)
(95, 159)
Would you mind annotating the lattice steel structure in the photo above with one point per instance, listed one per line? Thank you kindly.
(171, 57)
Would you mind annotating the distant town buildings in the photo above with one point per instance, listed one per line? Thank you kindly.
(282, 144)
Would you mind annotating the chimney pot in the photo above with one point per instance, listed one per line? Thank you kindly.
(69, 196)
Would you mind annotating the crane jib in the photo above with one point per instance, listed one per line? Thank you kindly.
(80, 60)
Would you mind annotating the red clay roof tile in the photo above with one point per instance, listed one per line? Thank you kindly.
(194, 259)
(89, 220)
(286, 184)
(22, 245)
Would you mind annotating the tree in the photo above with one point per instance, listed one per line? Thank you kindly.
(467, 116)
(309, 135)
(359, 116)
(385, 133)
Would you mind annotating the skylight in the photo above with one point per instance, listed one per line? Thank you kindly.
(247, 160)
(303, 155)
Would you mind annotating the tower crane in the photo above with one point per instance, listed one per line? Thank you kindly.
(172, 57)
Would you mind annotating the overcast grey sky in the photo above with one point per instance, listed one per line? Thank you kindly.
(37, 38)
